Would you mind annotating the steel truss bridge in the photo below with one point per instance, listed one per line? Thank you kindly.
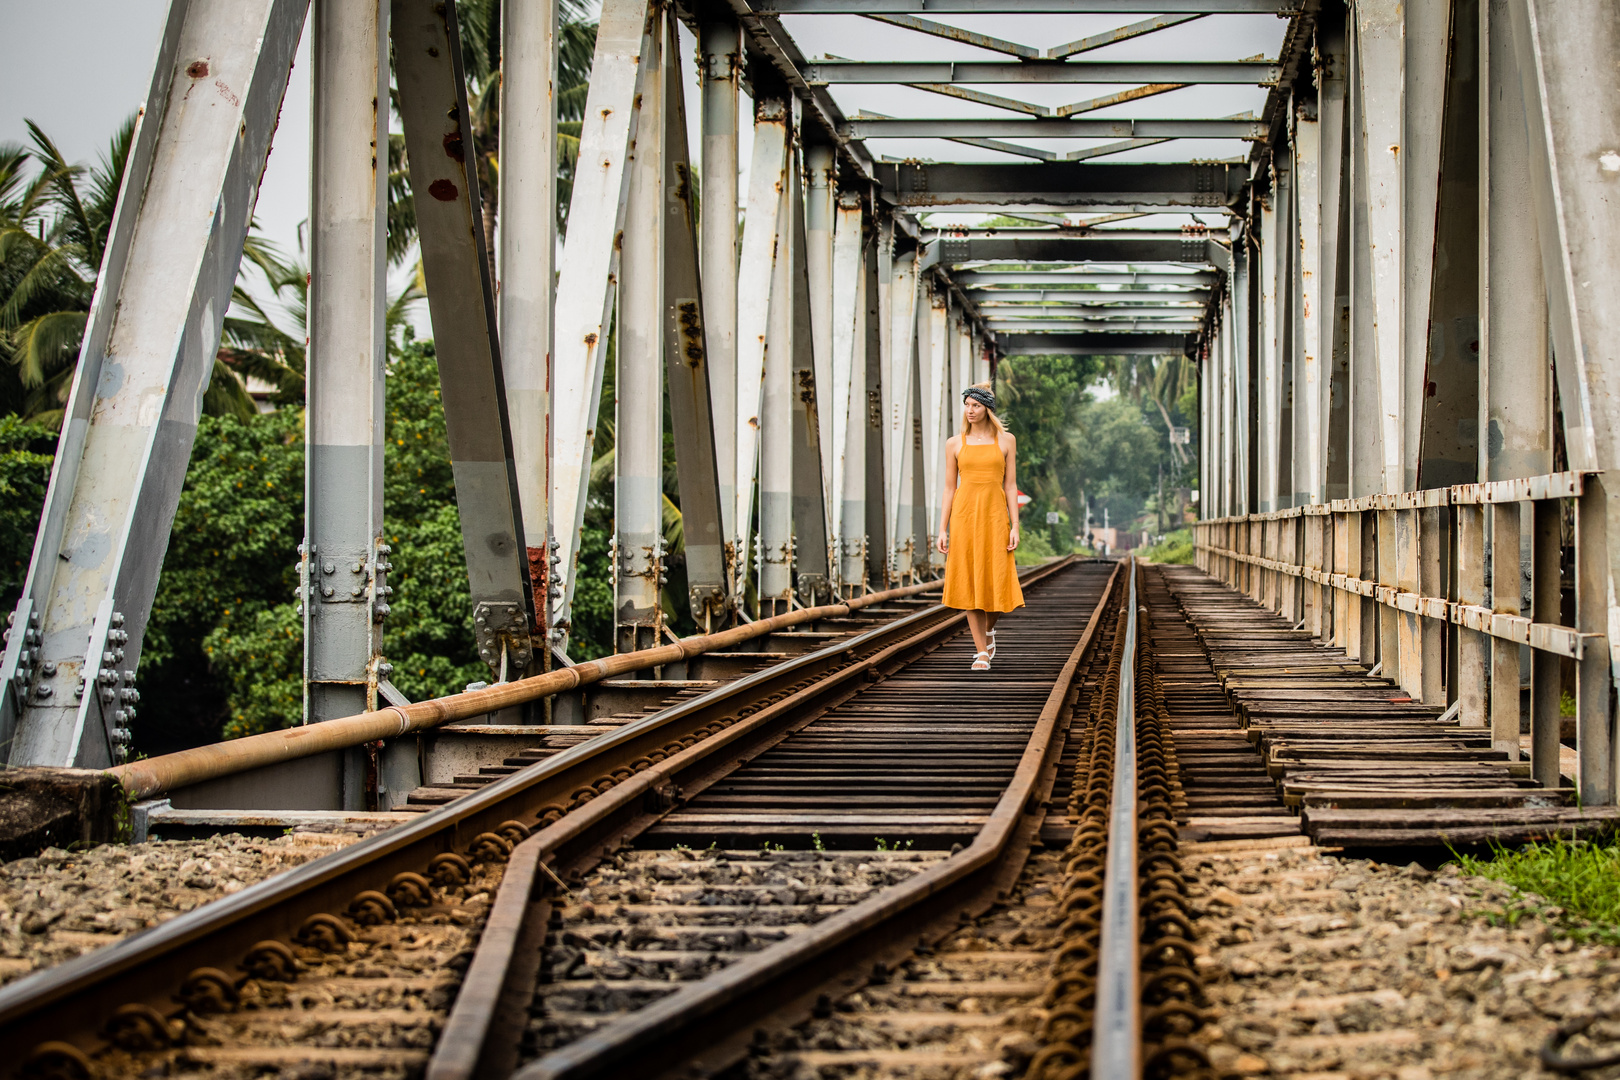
(1386, 240)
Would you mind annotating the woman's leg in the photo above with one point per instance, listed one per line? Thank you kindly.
(990, 619)
(981, 639)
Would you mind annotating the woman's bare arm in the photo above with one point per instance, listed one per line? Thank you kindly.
(1010, 451)
(940, 538)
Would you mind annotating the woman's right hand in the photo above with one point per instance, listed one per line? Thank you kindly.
(942, 543)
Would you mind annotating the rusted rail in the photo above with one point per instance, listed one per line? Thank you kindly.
(580, 801)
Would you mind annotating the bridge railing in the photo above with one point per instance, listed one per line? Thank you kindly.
(1455, 594)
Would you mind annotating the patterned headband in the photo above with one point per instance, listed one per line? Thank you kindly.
(983, 397)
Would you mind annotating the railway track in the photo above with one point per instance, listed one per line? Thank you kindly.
(866, 859)
(357, 955)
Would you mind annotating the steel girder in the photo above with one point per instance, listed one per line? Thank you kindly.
(461, 303)
(588, 270)
(1059, 185)
(663, 349)
(67, 693)
(1033, 7)
(1094, 344)
(526, 254)
(720, 40)
(756, 279)
(901, 416)
(637, 554)
(847, 316)
(344, 560)
(1565, 59)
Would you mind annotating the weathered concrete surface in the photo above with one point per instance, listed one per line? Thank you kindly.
(41, 808)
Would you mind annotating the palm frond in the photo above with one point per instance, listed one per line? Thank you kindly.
(46, 345)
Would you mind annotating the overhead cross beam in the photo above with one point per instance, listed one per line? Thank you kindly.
(1058, 185)
(982, 72)
(1052, 128)
(1030, 7)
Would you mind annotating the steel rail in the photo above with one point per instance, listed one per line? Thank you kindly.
(154, 776)
(1116, 1042)
(71, 1001)
(700, 1015)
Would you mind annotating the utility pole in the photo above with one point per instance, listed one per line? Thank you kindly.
(1161, 499)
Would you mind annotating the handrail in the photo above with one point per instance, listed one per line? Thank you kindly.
(153, 776)
(1116, 1042)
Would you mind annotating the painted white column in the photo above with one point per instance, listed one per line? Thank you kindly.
(717, 243)
(526, 252)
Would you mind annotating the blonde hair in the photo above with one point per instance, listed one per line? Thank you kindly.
(989, 414)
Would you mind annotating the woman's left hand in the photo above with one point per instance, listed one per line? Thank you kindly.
(1012, 539)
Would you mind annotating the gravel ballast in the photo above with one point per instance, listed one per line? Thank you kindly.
(1329, 967)
(62, 903)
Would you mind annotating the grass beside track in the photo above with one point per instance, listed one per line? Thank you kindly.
(1577, 881)
(1177, 547)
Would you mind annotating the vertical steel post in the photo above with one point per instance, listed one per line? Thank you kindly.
(1565, 59)
(811, 556)
(1594, 738)
(1450, 443)
(1366, 426)
(526, 259)
(900, 413)
(1286, 287)
(838, 391)
(775, 424)
(1547, 519)
(1473, 646)
(820, 199)
(1309, 458)
(719, 37)
(638, 460)
(931, 345)
(1381, 71)
(688, 378)
(1332, 72)
(1507, 591)
(1243, 360)
(757, 284)
(1272, 242)
(1516, 392)
(851, 535)
(588, 270)
(67, 691)
(345, 596)
(875, 488)
(1426, 38)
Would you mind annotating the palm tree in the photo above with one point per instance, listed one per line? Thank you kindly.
(53, 233)
(257, 343)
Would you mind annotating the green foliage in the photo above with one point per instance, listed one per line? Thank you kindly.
(1177, 547)
(1033, 548)
(225, 602)
(1577, 879)
(26, 450)
(1123, 452)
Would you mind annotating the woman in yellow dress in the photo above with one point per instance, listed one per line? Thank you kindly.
(978, 523)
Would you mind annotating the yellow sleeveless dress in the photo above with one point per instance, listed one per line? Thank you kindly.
(979, 570)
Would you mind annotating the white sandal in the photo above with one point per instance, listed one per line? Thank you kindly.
(981, 665)
(992, 649)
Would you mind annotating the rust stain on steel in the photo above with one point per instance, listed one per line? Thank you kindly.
(454, 147)
(590, 339)
(691, 324)
(197, 69)
(443, 190)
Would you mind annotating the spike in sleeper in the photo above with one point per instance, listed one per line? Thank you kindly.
(981, 661)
